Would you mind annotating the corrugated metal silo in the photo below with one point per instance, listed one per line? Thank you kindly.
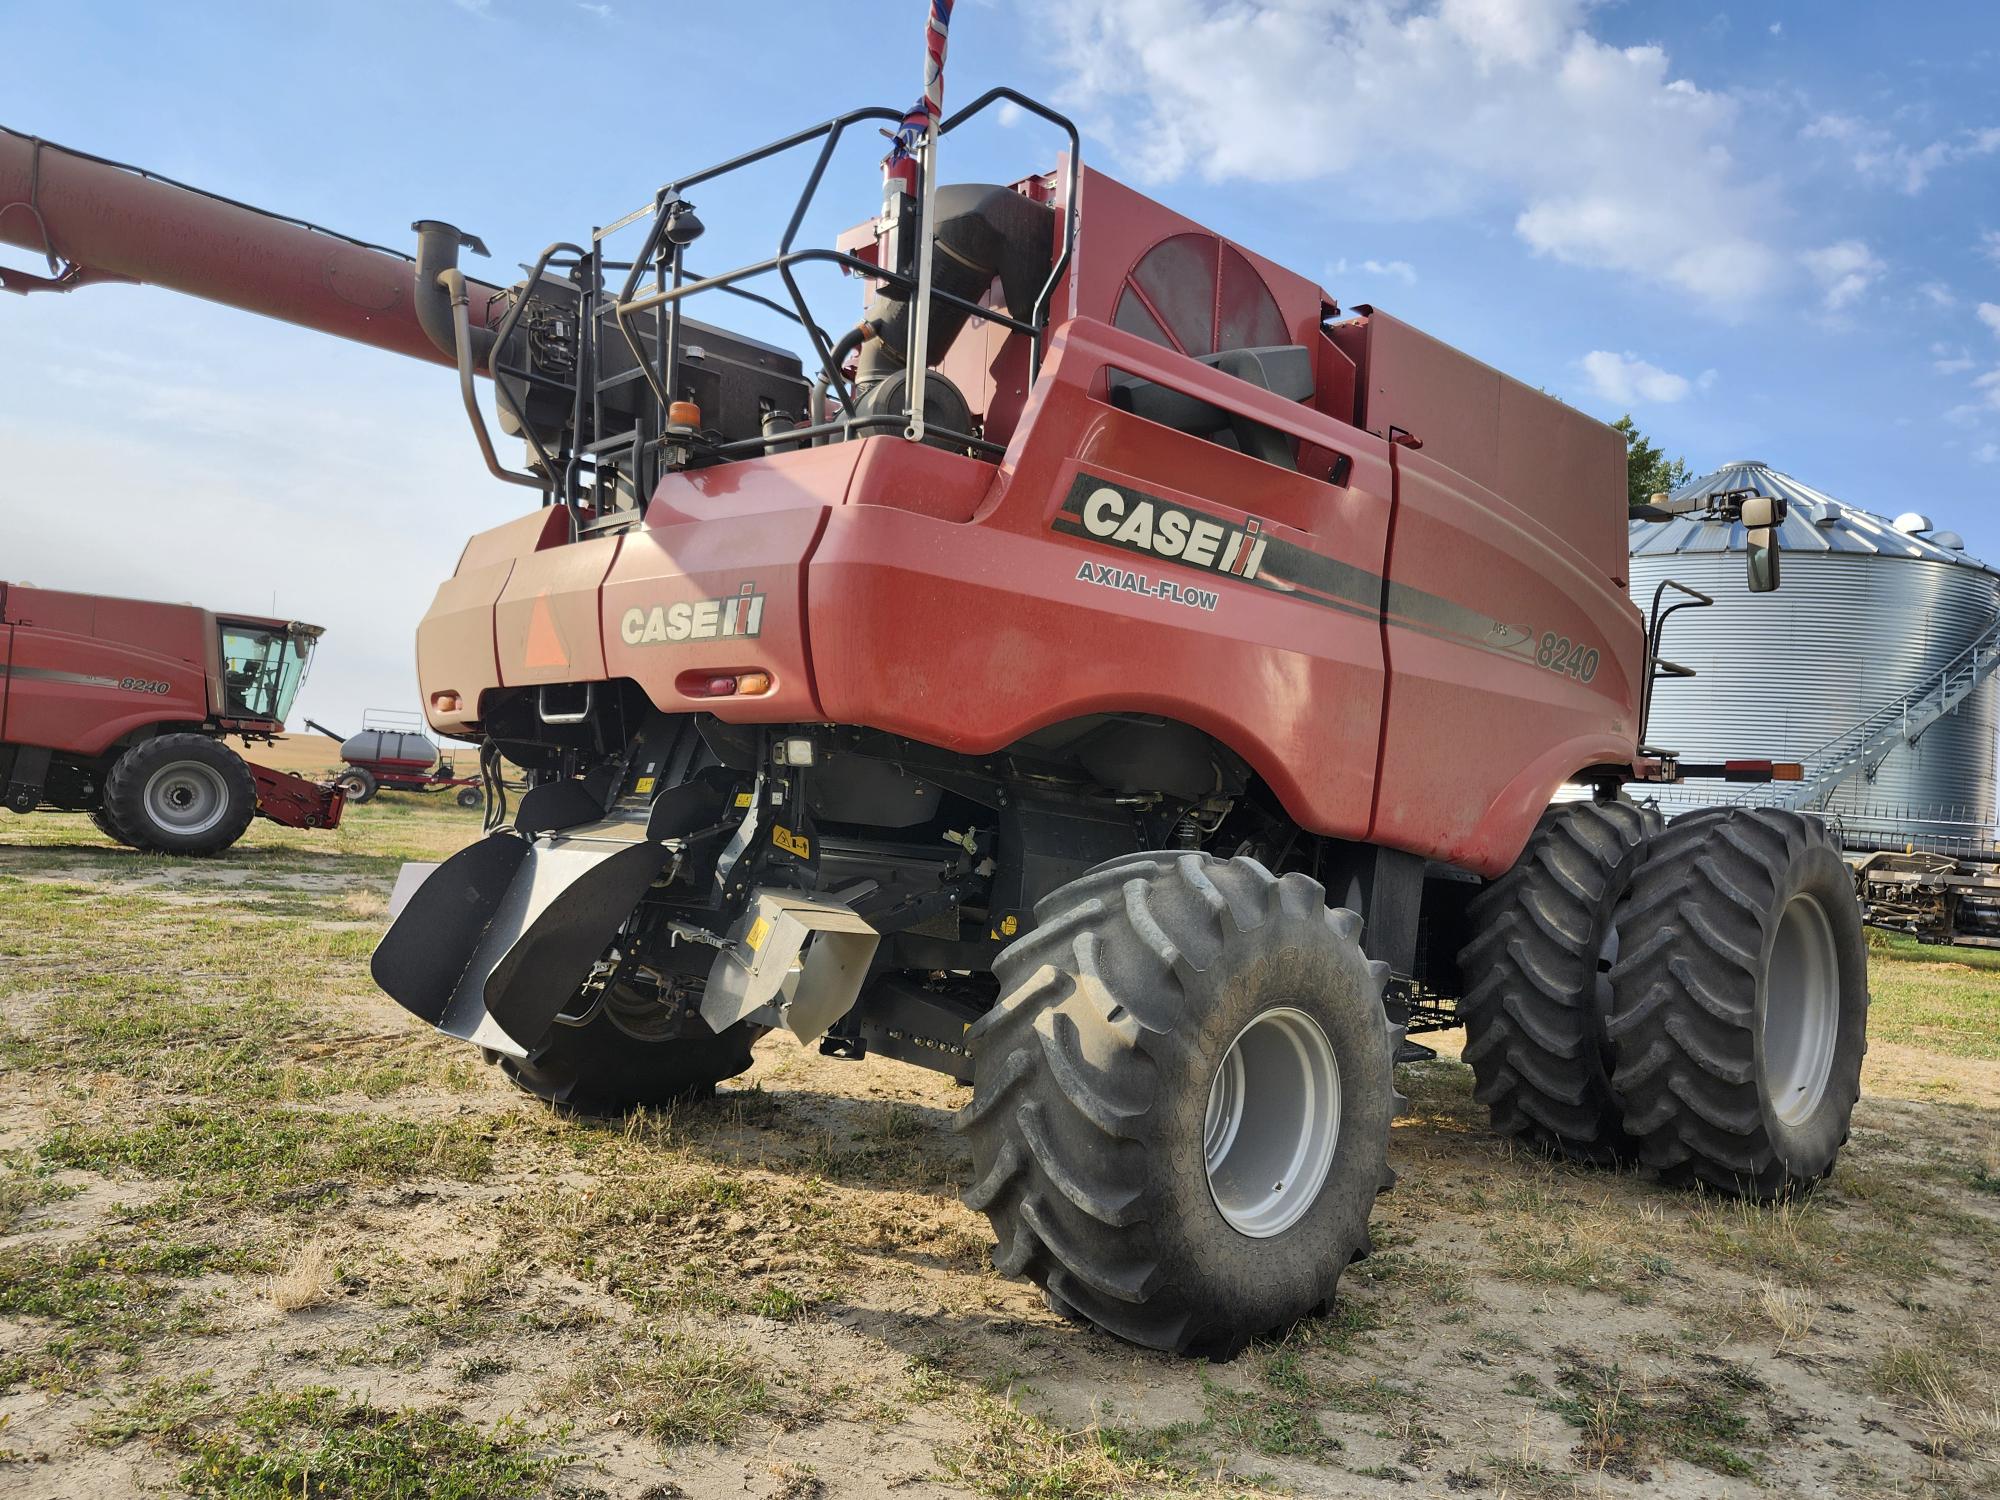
(1867, 613)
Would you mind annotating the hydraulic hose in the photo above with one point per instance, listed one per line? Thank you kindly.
(849, 342)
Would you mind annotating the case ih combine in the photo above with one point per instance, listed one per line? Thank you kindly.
(121, 708)
(1130, 685)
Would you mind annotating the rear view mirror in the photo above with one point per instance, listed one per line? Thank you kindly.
(1762, 545)
(1760, 516)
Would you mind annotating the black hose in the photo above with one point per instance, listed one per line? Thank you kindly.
(849, 342)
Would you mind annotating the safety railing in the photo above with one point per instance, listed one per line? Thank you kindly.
(672, 286)
(1901, 720)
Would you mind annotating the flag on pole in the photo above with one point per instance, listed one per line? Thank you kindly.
(930, 107)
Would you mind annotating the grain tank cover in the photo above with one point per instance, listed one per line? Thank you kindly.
(1815, 522)
(389, 747)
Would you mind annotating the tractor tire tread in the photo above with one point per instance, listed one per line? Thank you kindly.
(1531, 1005)
(1684, 1019)
(1070, 1064)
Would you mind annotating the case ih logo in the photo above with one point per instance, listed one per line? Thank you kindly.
(1139, 522)
(702, 620)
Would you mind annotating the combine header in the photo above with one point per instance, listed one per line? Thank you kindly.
(1106, 672)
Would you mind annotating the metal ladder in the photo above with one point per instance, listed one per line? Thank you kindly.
(1901, 721)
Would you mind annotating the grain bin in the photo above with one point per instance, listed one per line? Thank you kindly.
(1870, 610)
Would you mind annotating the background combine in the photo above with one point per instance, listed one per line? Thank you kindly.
(1108, 673)
(122, 708)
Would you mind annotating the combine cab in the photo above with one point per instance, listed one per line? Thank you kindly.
(1107, 673)
(121, 708)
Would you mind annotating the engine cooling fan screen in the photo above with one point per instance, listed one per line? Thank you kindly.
(1197, 295)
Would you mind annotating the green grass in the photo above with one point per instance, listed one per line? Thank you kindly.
(687, 1388)
(1940, 999)
(1695, 1416)
(317, 1442)
(99, 1301)
(270, 1157)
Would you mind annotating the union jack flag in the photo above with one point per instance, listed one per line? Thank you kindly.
(931, 106)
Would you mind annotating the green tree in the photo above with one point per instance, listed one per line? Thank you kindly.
(1648, 470)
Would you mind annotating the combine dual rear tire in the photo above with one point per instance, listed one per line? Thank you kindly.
(1740, 1002)
(1181, 1103)
(1537, 984)
(179, 794)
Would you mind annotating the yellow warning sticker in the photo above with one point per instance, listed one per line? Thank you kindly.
(643, 785)
(792, 843)
(759, 930)
(742, 799)
(1009, 925)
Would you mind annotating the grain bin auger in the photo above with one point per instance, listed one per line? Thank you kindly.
(1132, 687)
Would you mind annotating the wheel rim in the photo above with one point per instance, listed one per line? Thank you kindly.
(187, 797)
(1801, 1021)
(1272, 1123)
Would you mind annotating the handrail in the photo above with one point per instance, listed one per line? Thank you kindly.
(629, 303)
(1827, 767)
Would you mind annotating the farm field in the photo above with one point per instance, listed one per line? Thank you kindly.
(262, 1235)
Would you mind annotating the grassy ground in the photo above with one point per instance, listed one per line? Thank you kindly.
(263, 1235)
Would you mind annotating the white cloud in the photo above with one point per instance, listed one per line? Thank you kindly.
(1987, 453)
(1599, 155)
(1989, 245)
(602, 12)
(1626, 379)
(1989, 314)
(1398, 270)
(1939, 294)
(1949, 361)
(1844, 270)
(1777, 28)
(1876, 154)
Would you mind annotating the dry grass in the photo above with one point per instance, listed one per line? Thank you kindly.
(1788, 1310)
(306, 1280)
(1949, 1402)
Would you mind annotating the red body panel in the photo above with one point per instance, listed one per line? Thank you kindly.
(84, 671)
(1417, 655)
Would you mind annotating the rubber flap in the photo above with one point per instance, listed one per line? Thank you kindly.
(423, 955)
(577, 906)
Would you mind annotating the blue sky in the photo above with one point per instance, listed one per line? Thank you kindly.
(1767, 230)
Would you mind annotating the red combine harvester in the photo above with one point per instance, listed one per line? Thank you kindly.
(1108, 674)
(121, 708)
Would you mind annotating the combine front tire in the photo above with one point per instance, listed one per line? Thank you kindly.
(180, 794)
(1740, 1002)
(1536, 980)
(1181, 1102)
